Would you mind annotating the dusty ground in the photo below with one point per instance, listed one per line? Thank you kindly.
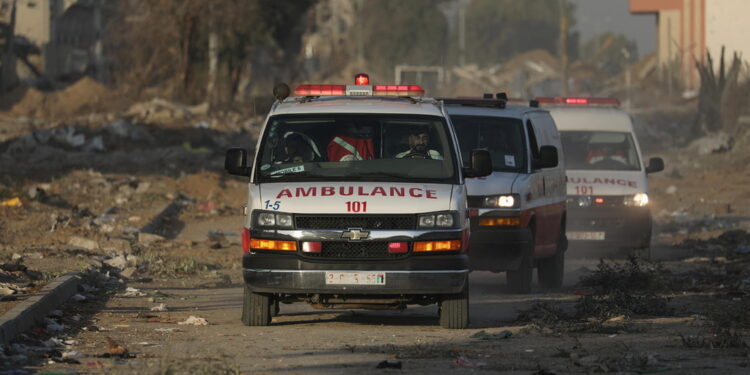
(148, 202)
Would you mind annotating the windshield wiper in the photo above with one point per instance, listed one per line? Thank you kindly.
(396, 176)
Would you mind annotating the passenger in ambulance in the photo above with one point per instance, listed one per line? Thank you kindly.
(354, 142)
(299, 148)
(419, 142)
(607, 155)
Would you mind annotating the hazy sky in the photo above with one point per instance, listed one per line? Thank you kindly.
(599, 16)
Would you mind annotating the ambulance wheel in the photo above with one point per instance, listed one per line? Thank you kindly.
(256, 308)
(551, 271)
(519, 281)
(454, 310)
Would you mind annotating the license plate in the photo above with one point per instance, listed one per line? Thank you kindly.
(596, 236)
(355, 278)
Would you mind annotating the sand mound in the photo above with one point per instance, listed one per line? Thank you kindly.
(83, 96)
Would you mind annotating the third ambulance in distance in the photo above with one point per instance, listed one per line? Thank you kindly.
(608, 202)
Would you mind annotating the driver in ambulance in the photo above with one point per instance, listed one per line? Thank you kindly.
(419, 141)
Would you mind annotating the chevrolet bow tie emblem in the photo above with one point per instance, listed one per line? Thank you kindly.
(355, 234)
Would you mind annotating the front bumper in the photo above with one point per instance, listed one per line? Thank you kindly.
(497, 249)
(396, 282)
(622, 227)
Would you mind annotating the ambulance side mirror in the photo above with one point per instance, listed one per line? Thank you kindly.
(547, 157)
(655, 165)
(481, 164)
(236, 162)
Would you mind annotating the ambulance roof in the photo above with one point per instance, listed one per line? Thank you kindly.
(511, 111)
(591, 118)
(348, 104)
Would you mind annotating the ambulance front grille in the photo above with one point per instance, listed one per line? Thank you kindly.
(355, 250)
(356, 221)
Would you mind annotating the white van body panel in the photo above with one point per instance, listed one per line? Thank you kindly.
(582, 182)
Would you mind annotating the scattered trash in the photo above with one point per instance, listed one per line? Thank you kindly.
(483, 335)
(162, 307)
(78, 297)
(115, 348)
(53, 326)
(119, 262)
(194, 321)
(166, 330)
(133, 292)
(465, 362)
(13, 202)
(389, 364)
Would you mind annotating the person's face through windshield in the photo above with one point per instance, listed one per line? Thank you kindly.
(418, 142)
(296, 149)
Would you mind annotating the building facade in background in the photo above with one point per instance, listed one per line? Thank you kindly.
(688, 29)
(63, 38)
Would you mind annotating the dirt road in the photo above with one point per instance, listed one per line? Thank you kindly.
(304, 340)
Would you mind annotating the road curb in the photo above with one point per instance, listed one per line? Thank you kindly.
(33, 310)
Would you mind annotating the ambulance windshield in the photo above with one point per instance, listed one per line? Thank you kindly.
(599, 150)
(502, 137)
(356, 147)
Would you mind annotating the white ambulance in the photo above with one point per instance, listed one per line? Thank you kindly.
(608, 203)
(517, 212)
(356, 199)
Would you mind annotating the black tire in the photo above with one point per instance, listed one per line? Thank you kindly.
(551, 271)
(256, 308)
(454, 310)
(519, 281)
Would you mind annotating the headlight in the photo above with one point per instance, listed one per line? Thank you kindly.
(502, 201)
(284, 220)
(427, 221)
(271, 219)
(638, 200)
(444, 220)
(584, 201)
(266, 219)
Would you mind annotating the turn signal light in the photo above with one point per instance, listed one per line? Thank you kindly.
(258, 244)
(425, 246)
(500, 221)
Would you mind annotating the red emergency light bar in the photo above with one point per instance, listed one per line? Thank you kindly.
(579, 101)
(320, 90)
(397, 90)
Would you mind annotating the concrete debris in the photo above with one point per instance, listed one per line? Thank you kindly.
(167, 330)
(162, 307)
(133, 292)
(128, 272)
(5, 291)
(117, 246)
(72, 354)
(714, 143)
(119, 262)
(194, 321)
(147, 239)
(83, 243)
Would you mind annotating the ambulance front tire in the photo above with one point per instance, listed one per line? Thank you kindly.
(551, 271)
(256, 308)
(454, 310)
(519, 281)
